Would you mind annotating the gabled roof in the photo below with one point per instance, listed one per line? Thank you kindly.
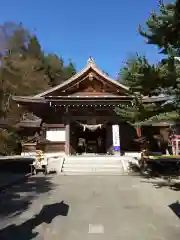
(90, 66)
(30, 120)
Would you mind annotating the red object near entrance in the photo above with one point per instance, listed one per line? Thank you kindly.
(138, 130)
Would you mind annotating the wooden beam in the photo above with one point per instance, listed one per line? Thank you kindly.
(104, 82)
(75, 84)
(47, 125)
(108, 118)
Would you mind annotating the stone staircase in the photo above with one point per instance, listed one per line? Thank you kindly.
(95, 165)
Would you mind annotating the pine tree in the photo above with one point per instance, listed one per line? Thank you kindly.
(163, 28)
(163, 31)
(69, 70)
(34, 48)
(24, 70)
(144, 80)
(21, 73)
(142, 77)
(56, 70)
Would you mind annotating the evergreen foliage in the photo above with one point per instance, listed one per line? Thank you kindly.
(163, 28)
(24, 70)
(163, 79)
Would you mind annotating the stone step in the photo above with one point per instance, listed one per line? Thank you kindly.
(94, 165)
(94, 162)
(64, 169)
(94, 173)
(98, 157)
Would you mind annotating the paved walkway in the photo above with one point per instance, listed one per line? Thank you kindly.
(89, 207)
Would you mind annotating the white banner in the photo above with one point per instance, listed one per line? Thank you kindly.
(116, 137)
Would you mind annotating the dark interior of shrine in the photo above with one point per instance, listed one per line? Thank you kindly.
(94, 141)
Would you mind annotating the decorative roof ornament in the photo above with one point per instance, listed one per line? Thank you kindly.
(90, 60)
(90, 76)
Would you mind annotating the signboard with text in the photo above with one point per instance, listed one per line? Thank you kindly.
(116, 137)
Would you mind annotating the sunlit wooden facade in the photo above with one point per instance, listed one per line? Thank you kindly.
(71, 109)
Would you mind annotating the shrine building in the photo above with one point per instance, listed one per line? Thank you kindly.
(83, 107)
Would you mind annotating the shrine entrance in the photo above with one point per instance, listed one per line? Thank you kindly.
(86, 138)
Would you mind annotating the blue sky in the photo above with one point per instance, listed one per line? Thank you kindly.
(105, 30)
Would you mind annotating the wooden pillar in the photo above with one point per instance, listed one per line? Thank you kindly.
(67, 130)
(67, 143)
(109, 140)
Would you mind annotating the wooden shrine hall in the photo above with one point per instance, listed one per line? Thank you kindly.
(79, 114)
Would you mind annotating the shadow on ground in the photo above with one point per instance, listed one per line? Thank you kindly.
(17, 199)
(175, 207)
(175, 186)
(25, 230)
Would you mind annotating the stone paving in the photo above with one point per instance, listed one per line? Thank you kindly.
(90, 207)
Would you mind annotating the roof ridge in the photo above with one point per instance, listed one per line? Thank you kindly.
(90, 65)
